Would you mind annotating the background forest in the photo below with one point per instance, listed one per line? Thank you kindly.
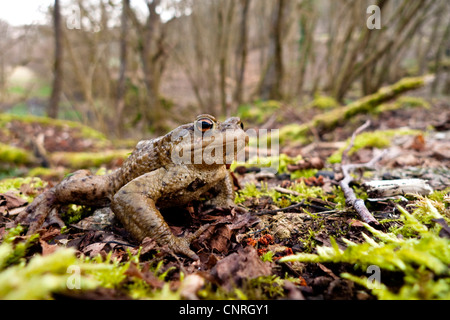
(133, 66)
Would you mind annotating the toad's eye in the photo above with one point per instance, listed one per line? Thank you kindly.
(205, 124)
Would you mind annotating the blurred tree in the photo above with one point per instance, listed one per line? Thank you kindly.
(225, 15)
(241, 51)
(272, 77)
(120, 99)
(153, 52)
(57, 86)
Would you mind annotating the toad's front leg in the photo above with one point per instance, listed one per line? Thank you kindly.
(134, 205)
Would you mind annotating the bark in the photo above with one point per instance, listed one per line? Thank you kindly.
(307, 23)
(443, 45)
(225, 20)
(121, 86)
(241, 52)
(272, 80)
(152, 54)
(346, 168)
(53, 106)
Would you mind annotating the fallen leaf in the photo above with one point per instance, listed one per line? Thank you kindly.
(147, 276)
(418, 143)
(93, 249)
(292, 292)
(239, 266)
(47, 248)
(327, 271)
(407, 160)
(221, 239)
(441, 151)
(48, 234)
(191, 284)
(9, 201)
(355, 223)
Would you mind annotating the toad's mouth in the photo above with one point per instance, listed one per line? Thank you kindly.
(229, 142)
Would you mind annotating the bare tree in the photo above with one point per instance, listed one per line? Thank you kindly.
(272, 79)
(241, 51)
(53, 105)
(121, 85)
(225, 15)
(307, 24)
(153, 52)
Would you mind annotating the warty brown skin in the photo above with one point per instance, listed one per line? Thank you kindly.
(149, 180)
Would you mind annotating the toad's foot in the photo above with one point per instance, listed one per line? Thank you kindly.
(36, 213)
(182, 244)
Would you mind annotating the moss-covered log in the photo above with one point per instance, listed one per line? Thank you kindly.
(328, 121)
(86, 160)
(14, 155)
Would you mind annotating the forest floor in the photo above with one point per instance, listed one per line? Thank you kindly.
(294, 236)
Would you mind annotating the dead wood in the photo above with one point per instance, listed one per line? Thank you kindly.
(346, 168)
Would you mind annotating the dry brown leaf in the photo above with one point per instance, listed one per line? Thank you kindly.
(239, 266)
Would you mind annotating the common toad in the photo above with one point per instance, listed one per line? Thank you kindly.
(168, 171)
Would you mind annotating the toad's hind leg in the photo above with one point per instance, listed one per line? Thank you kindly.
(78, 188)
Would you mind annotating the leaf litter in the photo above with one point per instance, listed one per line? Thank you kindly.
(261, 250)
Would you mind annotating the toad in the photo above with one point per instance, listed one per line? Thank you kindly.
(169, 171)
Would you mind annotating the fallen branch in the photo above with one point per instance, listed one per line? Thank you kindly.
(390, 188)
(326, 122)
(346, 168)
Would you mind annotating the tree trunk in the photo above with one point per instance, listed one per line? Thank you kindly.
(225, 17)
(273, 78)
(442, 47)
(121, 87)
(241, 52)
(53, 106)
(307, 23)
(153, 55)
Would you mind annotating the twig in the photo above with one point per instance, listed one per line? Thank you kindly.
(350, 197)
(296, 205)
(282, 209)
(352, 141)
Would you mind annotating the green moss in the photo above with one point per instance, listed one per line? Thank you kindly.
(304, 193)
(61, 271)
(259, 288)
(443, 197)
(47, 173)
(259, 111)
(85, 160)
(14, 155)
(278, 163)
(295, 133)
(323, 102)
(426, 256)
(402, 103)
(14, 185)
(13, 254)
(376, 139)
(75, 213)
(299, 133)
(85, 131)
(42, 276)
(304, 173)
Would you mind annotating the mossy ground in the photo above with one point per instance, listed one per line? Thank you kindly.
(300, 227)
